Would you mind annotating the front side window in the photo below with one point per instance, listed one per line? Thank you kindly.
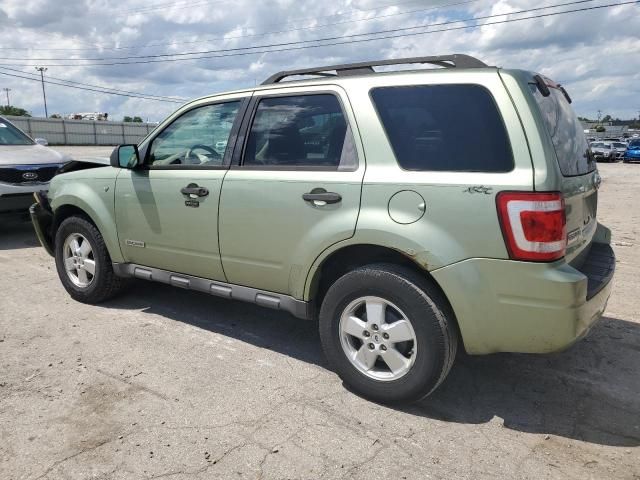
(10, 135)
(197, 138)
(300, 131)
(444, 128)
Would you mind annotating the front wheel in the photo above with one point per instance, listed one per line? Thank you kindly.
(83, 262)
(388, 333)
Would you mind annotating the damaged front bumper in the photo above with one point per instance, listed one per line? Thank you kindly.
(42, 219)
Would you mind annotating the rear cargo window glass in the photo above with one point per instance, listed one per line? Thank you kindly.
(566, 131)
(444, 128)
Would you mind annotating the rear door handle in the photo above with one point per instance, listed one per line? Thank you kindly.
(193, 190)
(319, 196)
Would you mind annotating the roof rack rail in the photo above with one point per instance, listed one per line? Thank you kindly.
(360, 68)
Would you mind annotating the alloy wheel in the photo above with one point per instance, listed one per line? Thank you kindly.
(377, 338)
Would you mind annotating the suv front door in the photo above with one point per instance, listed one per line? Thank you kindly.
(167, 208)
(293, 188)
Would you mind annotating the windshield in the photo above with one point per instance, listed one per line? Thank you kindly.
(567, 134)
(634, 143)
(619, 145)
(10, 135)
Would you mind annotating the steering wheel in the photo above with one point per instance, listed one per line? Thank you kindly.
(206, 148)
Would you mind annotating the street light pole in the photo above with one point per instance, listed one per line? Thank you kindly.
(7, 90)
(44, 95)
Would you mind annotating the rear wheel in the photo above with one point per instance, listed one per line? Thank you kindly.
(388, 333)
(83, 262)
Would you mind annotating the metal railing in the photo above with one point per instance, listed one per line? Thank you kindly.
(82, 132)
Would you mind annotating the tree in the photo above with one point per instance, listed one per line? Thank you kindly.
(606, 119)
(127, 118)
(55, 115)
(600, 129)
(135, 119)
(15, 111)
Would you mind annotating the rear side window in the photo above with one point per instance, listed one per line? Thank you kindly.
(566, 131)
(444, 128)
(300, 131)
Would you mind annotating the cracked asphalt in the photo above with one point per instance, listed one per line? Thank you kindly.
(166, 383)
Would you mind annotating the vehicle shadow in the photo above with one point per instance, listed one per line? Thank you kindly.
(17, 232)
(590, 392)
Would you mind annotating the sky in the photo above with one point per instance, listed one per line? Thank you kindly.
(595, 54)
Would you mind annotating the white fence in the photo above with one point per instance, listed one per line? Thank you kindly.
(82, 132)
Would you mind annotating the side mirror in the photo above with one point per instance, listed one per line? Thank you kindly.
(125, 156)
(41, 141)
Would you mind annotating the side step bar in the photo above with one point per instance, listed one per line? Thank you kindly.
(277, 301)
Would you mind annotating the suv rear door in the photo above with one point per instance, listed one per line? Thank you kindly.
(293, 188)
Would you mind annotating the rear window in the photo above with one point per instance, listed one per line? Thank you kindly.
(566, 131)
(444, 128)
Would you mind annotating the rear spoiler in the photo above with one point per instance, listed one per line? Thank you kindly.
(544, 83)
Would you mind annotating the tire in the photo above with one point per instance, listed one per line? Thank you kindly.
(103, 283)
(408, 296)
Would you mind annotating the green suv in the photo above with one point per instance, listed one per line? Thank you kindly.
(409, 212)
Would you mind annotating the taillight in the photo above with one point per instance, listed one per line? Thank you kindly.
(533, 225)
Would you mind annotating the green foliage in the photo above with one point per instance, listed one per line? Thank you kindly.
(15, 111)
(55, 115)
(135, 119)
(600, 129)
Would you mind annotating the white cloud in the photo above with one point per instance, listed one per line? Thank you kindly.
(596, 54)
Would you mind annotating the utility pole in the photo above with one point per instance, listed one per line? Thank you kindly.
(7, 90)
(44, 95)
(599, 115)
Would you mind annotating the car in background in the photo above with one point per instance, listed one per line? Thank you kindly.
(620, 148)
(603, 152)
(632, 154)
(26, 166)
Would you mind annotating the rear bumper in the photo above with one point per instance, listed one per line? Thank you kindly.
(510, 306)
(42, 219)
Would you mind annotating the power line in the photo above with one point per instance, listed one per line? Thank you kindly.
(90, 89)
(177, 5)
(313, 27)
(242, 51)
(283, 44)
(162, 97)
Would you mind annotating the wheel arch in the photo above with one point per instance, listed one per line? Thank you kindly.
(100, 217)
(347, 257)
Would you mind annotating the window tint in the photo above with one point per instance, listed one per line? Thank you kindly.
(300, 131)
(199, 137)
(566, 131)
(444, 128)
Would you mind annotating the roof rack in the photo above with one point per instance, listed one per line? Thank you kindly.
(363, 68)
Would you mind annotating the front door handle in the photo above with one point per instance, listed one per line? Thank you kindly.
(319, 196)
(193, 190)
